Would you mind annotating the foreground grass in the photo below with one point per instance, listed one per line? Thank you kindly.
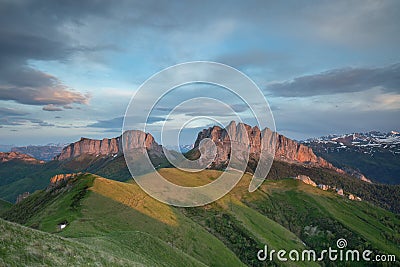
(123, 220)
(22, 246)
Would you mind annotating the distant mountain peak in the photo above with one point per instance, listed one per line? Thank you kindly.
(10, 156)
(371, 138)
(375, 154)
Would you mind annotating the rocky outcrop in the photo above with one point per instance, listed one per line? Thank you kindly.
(134, 139)
(21, 197)
(257, 140)
(324, 187)
(61, 179)
(340, 192)
(305, 179)
(8, 156)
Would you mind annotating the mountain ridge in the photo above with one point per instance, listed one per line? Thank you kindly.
(285, 149)
(10, 156)
(109, 146)
(375, 154)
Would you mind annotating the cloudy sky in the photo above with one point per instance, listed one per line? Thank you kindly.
(69, 68)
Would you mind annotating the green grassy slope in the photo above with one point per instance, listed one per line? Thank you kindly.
(384, 196)
(109, 213)
(18, 177)
(22, 246)
(320, 218)
(4, 206)
(121, 218)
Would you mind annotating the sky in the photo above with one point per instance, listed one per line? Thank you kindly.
(69, 68)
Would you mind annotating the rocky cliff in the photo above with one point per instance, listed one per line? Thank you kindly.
(133, 140)
(8, 156)
(257, 140)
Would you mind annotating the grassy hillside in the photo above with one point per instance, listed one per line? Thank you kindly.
(320, 218)
(4, 206)
(285, 214)
(18, 177)
(117, 214)
(384, 196)
(22, 246)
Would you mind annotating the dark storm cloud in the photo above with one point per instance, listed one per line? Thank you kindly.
(338, 81)
(32, 30)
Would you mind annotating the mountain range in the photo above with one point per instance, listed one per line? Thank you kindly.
(44, 152)
(85, 198)
(374, 154)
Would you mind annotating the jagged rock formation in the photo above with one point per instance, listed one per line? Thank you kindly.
(285, 148)
(91, 147)
(8, 156)
(61, 179)
(134, 139)
(305, 179)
